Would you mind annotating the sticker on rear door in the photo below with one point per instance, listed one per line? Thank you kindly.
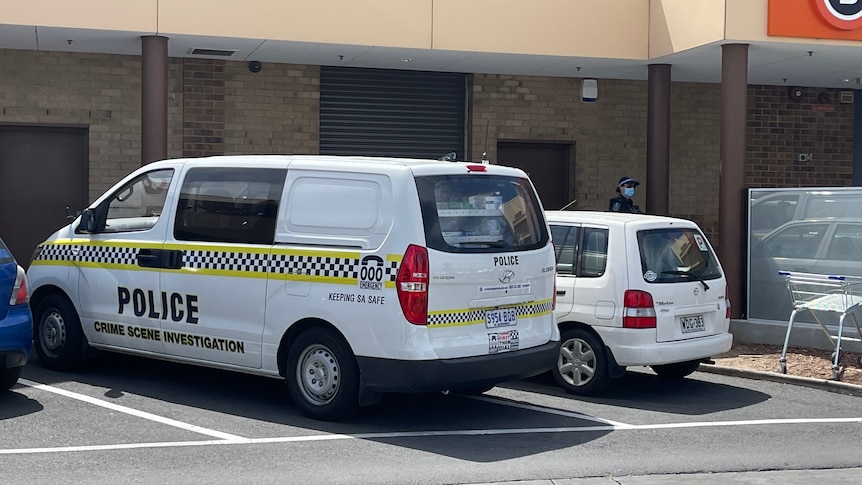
(503, 342)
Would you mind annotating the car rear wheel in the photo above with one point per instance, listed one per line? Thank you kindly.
(582, 366)
(677, 370)
(58, 333)
(8, 377)
(322, 375)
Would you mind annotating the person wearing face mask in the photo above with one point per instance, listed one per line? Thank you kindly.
(624, 202)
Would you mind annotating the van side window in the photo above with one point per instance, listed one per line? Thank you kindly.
(231, 205)
(594, 257)
(137, 205)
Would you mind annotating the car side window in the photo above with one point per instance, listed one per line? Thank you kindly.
(231, 205)
(846, 243)
(137, 205)
(594, 257)
(799, 242)
(565, 245)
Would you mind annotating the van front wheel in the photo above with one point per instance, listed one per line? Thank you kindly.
(582, 366)
(322, 375)
(58, 336)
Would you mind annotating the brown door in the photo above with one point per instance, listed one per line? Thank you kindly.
(547, 164)
(43, 170)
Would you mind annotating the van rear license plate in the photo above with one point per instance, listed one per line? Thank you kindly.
(693, 324)
(502, 317)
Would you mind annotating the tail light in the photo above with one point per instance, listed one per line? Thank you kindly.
(412, 285)
(726, 302)
(20, 294)
(638, 311)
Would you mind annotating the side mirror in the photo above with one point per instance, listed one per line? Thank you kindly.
(88, 222)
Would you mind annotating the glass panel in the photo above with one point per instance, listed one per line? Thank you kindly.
(594, 258)
(233, 205)
(466, 213)
(674, 255)
(137, 205)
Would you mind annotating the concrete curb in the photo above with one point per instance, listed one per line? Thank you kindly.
(823, 384)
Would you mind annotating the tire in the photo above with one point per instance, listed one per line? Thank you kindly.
(8, 377)
(322, 375)
(677, 370)
(58, 336)
(582, 366)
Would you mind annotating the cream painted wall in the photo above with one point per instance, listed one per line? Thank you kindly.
(393, 23)
(677, 25)
(588, 28)
(131, 15)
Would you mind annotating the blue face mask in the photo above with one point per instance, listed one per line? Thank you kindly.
(629, 191)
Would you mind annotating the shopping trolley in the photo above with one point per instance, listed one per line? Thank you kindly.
(824, 293)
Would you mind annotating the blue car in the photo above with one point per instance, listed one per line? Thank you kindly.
(16, 321)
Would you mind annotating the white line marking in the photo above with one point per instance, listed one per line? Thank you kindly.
(541, 409)
(420, 434)
(133, 412)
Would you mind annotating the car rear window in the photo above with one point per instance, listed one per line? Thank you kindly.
(5, 254)
(481, 213)
(675, 255)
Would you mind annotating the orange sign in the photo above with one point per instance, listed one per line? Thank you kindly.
(820, 19)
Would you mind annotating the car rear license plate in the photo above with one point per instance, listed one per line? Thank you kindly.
(502, 317)
(693, 324)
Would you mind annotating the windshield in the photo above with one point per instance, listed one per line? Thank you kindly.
(675, 255)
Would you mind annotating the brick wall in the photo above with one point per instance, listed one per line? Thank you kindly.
(609, 135)
(203, 107)
(780, 128)
(276, 110)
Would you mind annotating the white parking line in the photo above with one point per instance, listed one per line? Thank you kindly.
(422, 434)
(133, 412)
(229, 439)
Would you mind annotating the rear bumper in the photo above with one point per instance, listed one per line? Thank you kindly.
(16, 337)
(638, 347)
(387, 375)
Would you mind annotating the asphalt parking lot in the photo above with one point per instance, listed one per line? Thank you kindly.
(122, 416)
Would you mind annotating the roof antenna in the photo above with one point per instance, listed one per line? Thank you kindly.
(485, 152)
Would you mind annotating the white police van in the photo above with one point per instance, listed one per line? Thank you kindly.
(346, 276)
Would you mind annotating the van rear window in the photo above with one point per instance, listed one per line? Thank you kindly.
(481, 213)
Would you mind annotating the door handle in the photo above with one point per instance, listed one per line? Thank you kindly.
(147, 258)
(561, 292)
(160, 258)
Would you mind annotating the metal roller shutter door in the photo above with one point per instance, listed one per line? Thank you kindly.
(380, 112)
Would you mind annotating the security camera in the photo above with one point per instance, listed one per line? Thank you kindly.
(255, 66)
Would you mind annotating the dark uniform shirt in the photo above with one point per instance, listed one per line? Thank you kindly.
(622, 203)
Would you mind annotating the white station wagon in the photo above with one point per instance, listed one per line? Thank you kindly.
(634, 290)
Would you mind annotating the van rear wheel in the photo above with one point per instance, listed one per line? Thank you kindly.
(582, 366)
(322, 375)
(58, 336)
(677, 370)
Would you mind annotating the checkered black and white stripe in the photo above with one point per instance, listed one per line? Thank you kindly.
(332, 267)
(467, 317)
(109, 255)
(456, 317)
(58, 252)
(226, 261)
